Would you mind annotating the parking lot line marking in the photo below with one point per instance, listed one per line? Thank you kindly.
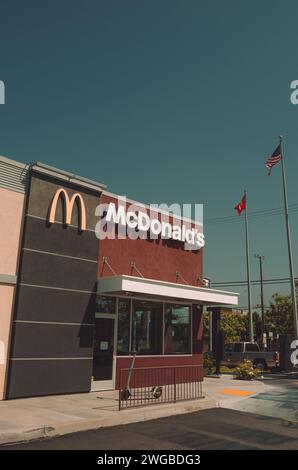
(239, 393)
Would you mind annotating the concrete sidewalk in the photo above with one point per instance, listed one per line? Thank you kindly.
(33, 418)
(227, 391)
(278, 400)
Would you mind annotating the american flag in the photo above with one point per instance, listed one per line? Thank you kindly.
(274, 159)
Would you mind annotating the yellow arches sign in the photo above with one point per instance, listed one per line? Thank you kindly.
(68, 208)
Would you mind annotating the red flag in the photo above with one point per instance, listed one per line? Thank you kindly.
(241, 206)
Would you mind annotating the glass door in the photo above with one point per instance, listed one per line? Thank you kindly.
(103, 352)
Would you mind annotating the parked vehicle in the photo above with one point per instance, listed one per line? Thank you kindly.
(235, 353)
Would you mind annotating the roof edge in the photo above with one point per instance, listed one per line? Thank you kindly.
(65, 175)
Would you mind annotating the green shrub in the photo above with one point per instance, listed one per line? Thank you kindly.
(246, 371)
(227, 369)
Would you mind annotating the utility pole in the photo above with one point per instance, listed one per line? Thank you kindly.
(261, 259)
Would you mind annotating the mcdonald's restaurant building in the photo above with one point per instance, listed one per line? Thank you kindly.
(73, 307)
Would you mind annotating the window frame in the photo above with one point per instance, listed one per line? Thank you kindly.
(163, 302)
(129, 300)
(169, 304)
(158, 320)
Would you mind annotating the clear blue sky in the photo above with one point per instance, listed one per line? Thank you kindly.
(165, 101)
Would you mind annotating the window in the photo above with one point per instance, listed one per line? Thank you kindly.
(106, 304)
(123, 326)
(177, 329)
(252, 347)
(238, 347)
(151, 328)
(147, 327)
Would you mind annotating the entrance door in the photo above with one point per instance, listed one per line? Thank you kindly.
(103, 352)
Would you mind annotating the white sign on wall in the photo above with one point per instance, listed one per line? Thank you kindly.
(134, 222)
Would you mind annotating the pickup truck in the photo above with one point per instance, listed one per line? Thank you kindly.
(235, 353)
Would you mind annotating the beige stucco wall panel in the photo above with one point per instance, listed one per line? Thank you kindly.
(11, 212)
(6, 302)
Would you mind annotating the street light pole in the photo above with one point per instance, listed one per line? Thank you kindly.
(261, 259)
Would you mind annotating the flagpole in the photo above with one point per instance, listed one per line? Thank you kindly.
(293, 291)
(251, 333)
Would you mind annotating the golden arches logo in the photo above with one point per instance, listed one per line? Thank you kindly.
(68, 208)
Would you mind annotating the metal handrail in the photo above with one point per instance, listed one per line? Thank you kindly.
(159, 384)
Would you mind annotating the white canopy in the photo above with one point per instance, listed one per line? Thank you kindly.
(138, 286)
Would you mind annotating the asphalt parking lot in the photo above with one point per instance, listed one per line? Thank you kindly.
(210, 429)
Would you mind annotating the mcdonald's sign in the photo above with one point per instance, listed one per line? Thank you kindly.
(68, 208)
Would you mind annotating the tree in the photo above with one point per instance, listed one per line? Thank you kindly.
(234, 325)
(279, 316)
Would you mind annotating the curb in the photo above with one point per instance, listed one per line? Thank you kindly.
(123, 417)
